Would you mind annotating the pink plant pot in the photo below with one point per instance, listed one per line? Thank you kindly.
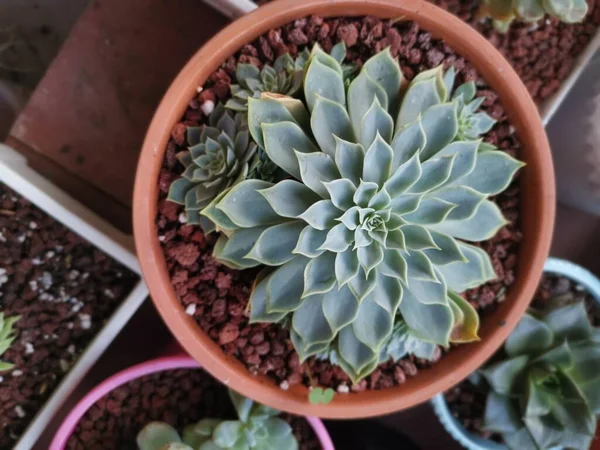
(149, 367)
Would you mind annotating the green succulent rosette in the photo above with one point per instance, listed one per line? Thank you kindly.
(257, 427)
(382, 195)
(546, 392)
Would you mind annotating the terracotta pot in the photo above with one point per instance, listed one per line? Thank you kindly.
(149, 367)
(537, 194)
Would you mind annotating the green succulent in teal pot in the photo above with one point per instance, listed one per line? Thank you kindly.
(545, 393)
(503, 12)
(257, 427)
(7, 336)
(372, 223)
(219, 156)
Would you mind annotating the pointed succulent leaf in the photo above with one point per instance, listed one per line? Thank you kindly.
(467, 201)
(477, 270)
(283, 141)
(407, 142)
(276, 243)
(341, 192)
(322, 80)
(309, 321)
(492, 173)
(502, 375)
(434, 173)
(570, 322)
(361, 94)
(484, 224)
(501, 414)
(316, 169)
(321, 215)
(349, 159)
(246, 207)
(373, 324)
(421, 95)
(432, 212)
(385, 71)
(285, 286)
(465, 156)
(531, 335)
(346, 266)
(233, 250)
(340, 308)
(362, 285)
(447, 252)
(378, 162)
(279, 197)
(440, 124)
(310, 242)
(430, 323)
(265, 111)
(318, 276)
(376, 121)
(354, 353)
(329, 120)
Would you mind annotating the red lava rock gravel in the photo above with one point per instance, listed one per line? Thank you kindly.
(179, 397)
(217, 297)
(467, 401)
(64, 289)
(543, 53)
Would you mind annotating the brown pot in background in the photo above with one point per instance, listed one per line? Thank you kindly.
(537, 203)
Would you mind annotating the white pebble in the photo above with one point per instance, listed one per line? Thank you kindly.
(32, 225)
(73, 274)
(207, 107)
(29, 348)
(109, 293)
(17, 373)
(182, 218)
(36, 261)
(21, 239)
(71, 349)
(50, 254)
(1, 379)
(343, 389)
(191, 309)
(86, 321)
(47, 280)
(3, 276)
(199, 89)
(20, 411)
(33, 285)
(2, 238)
(70, 325)
(161, 239)
(284, 385)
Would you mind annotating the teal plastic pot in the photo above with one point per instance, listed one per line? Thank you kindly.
(470, 441)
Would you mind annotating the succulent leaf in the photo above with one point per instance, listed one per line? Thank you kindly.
(7, 336)
(544, 394)
(504, 12)
(372, 223)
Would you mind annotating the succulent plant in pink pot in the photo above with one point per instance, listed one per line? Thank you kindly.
(171, 403)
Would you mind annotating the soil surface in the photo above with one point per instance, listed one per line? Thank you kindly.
(217, 296)
(178, 397)
(542, 53)
(467, 400)
(64, 289)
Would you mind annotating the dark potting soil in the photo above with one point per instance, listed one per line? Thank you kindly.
(64, 289)
(179, 397)
(217, 296)
(467, 400)
(543, 53)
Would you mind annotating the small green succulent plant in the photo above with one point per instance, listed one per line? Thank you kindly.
(258, 428)
(545, 393)
(219, 156)
(385, 185)
(7, 336)
(503, 12)
(284, 77)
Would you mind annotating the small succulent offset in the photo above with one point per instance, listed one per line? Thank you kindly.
(285, 77)
(546, 392)
(372, 222)
(7, 336)
(258, 428)
(219, 157)
(503, 12)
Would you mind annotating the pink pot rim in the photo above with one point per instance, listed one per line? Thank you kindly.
(146, 368)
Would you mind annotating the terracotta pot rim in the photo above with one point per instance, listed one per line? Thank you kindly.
(537, 196)
(139, 370)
